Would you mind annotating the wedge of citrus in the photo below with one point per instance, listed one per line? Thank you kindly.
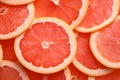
(105, 44)
(100, 13)
(76, 74)
(8, 49)
(1, 54)
(48, 46)
(16, 2)
(14, 20)
(11, 71)
(71, 11)
(115, 75)
(85, 61)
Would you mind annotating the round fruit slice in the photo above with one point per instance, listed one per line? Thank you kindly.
(14, 20)
(11, 71)
(105, 44)
(16, 2)
(1, 54)
(71, 11)
(100, 13)
(85, 61)
(112, 76)
(61, 75)
(76, 74)
(48, 46)
(8, 49)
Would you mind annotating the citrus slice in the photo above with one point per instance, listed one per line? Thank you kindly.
(14, 20)
(8, 49)
(100, 13)
(61, 75)
(76, 74)
(105, 44)
(1, 54)
(85, 61)
(112, 76)
(48, 46)
(11, 71)
(71, 11)
(16, 2)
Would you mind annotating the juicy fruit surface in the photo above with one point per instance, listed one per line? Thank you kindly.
(97, 16)
(42, 47)
(76, 74)
(108, 44)
(63, 9)
(115, 75)
(48, 53)
(10, 72)
(84, 54)
(43, 44)
(10, 24)
(105, 44)
(93, 16)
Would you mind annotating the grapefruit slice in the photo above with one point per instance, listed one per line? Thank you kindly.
(48, 46)
(8, 50)
(100, 13)
(61, 75)
(112, 76)
(11, 71)
(71, 11)
(1, 54)
(105, 44)
(14, 20)
(85, 61)
(76, 74)
(16, 2)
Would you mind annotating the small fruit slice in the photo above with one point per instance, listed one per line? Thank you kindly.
(48, 46)
(11, 71)
(76, 74)
(105, 44)
(85, 61)
(100, 13)
(16, 2)
(71, 11)
(115, 75)
(14, 20)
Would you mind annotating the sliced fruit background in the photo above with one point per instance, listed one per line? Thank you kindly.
(95, 32)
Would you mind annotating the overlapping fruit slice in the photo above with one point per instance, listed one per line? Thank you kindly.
(16, 2)
(84, 59)
(71, 11)
(48, 46)
(76, 74)
(14, 20)
(115, 75)
(61, 75)
(99, 14)
(105, 44)
(11, 71)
